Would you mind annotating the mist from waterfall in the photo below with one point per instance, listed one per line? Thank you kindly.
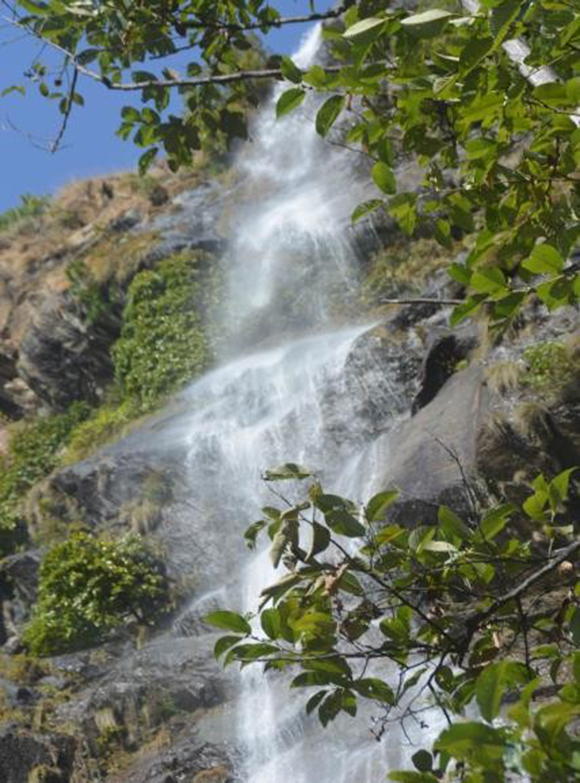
(284, 396)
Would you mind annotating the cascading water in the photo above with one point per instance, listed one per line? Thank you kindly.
(290, 254)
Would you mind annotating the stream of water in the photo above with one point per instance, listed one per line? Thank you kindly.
(291, 255)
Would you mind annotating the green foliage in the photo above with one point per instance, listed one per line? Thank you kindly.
(549, 365)
(453, 607)
(34, 451)
(110, 420)
(165, 340)
(89, 587)
(31, 207)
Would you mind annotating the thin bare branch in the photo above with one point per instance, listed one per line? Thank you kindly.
(55, 146)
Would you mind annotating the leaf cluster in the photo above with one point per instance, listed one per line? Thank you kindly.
(458, 608)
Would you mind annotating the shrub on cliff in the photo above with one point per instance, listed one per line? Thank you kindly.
(165, 338)
(89, 587)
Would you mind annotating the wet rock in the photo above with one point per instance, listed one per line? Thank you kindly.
(62, 358)
(18, 590)
(8, 373)
(436, 454)
(25, 756)
(445, 349)
(193, 223)
(167, 681)
(21, 573)
(187, 760)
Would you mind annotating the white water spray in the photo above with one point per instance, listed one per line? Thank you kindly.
(291, 253)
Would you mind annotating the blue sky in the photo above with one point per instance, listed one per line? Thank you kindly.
(91, 147)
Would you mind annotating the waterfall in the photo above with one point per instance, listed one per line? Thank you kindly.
(290, 256)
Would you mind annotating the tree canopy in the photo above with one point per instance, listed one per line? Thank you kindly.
(484, 97)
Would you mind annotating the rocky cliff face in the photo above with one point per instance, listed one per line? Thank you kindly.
(450, 417)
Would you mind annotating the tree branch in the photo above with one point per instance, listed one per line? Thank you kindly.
(315, 17)
(474, 621)
(441, 302)
(197, 81)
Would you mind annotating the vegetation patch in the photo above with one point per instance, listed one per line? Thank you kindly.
(89, 587)
(165, 339)
(107, 422)
(34, 451)
(550, 366)
(30, 207)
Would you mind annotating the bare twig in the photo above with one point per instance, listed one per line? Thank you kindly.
(55, 145)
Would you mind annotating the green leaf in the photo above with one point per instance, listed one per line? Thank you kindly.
(224, 643)
(344, 524)
(464, 740)
(229, 621)
(489, 280)
(562, 482)
(290, 71)
(365, 31)
(544, 259)
(147, 159)
(366, 208)
(289, 101)
(428, 23)
(466, 309)
(288, 471)
(378, 504)
(502, 17)
(493, 683)
(314, 701)
(453, 525)
(13, 88)
(384, 177)
(271, 623)
(320, 540)
(373, 688)
(474, 52)
(422, 760)
(553, 94)
(494, 521)
(408, 776)
(328, 114)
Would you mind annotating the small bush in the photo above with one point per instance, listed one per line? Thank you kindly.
(165, 337)
(89, 587)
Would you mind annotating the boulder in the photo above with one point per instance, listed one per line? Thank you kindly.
(187, 760)
(26, 757)
(436, 453)
(63, 358)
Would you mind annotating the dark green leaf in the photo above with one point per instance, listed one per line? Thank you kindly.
(328, 114)
(289, 101)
